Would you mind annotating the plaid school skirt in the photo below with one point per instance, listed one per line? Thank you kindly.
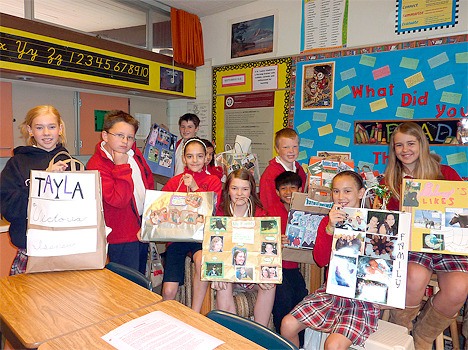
(19, 263)
(328, 313)
(440, 262)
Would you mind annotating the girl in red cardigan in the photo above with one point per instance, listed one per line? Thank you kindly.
(239, 188)
(409, 157)
(193, 179)
(350, 321)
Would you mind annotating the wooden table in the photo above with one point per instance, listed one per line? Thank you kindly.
(90, 337)
(41, 306)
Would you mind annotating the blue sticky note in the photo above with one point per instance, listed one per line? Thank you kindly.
(319, 117)
(302, 155)
(438, 60)
(301, 128)
(348, 74)
(367, 60)
(404, 112)
(342, 125)
(444, 82)
(409, 63)
(342, 141)
(456, 158)
(344, 91)
(451, 97)
(461, 57)
(347, 109)
(307, 143)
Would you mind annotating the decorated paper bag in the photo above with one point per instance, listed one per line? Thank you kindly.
(175, 216)
(439, 215)
(305, 214)
(322, 170)
(242, 250)
(370, 256)
(159, 151)
(66, 228)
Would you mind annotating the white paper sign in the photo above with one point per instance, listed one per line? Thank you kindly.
(62, 185)
(58, 243)
(159, 331)
(51, 213)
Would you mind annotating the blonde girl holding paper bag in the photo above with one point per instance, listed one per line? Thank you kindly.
(240, 199)
(44, 132)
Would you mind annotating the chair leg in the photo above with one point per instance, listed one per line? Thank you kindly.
(454, 335)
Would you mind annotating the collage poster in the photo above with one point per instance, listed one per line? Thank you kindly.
(370, 256)
(439, 215)
(242, 250)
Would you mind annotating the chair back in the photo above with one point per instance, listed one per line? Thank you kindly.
(251, 330)
(130, 274)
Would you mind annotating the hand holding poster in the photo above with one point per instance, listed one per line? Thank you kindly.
(242, 249)
(439, 215)
(370, 256)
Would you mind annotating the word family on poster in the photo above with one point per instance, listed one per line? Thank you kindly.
(370, 255)
(242, 250)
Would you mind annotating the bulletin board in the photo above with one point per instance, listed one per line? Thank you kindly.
(251, 99)
(351, 100)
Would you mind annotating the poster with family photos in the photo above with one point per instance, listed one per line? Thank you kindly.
(159, 151)
(370, 255)
(242, 250)
(439, 215)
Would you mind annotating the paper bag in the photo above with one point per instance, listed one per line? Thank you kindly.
(242, 250)
(66, 228)
(175, 216)
(159, 151)
(305, 214)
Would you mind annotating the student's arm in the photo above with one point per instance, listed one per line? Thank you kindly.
(13, 192)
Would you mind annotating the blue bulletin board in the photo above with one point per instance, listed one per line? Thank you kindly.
(350, 101)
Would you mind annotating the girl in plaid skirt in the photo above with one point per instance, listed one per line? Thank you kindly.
(349, 321)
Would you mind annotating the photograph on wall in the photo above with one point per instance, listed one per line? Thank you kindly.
(317, 86)
(370, 255)
(171, 79)
(253, 37)
(242, 249)
(439, 215)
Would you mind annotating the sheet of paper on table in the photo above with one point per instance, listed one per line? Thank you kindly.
(158, 330)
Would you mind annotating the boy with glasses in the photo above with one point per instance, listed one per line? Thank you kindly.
(125, 177)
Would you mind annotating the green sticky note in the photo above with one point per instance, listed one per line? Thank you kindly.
(303, 127)
(404, 112)
(461, 57)
(438, 60)
(319, 117)
(444, 82)
(456, 158)
(348, 74)
(307, 143)
(342, 141)
(342, 125)
(367, 60)
(302, 155)
(347, 109)
(342, 92)
(409, 63)
(451, 97)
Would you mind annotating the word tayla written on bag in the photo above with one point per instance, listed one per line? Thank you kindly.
(175, 216)
(242, 250)
(66, 227)
(439, 215)
(370, 255)
(305, 213)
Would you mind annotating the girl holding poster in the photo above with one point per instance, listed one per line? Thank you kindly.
(44, 132)
(409, 157)
(240, 199)
(349, 321)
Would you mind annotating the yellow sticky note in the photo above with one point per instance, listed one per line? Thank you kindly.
(325, 130)
(414, 79)
(378, 105)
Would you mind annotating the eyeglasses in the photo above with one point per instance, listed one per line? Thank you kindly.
(122, 136)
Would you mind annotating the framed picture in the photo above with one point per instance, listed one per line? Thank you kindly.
(253, 36)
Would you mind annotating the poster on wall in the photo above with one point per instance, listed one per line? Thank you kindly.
(374, 92)
(370, 256)
(324, 24)
(417, 15)
(318, 85)
(439, 215)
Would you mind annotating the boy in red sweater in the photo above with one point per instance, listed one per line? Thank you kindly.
(293, 288)
(287, 147)
(125, 177)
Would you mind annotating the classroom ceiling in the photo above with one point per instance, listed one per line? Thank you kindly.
(99, 15)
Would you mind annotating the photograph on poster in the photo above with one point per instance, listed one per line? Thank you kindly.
(342, 272)
(428, 219)
(317, 86)
(244, 273)
(380, 246)
(269, 248)
(216, 244)
(252, 37)
(215, 269)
